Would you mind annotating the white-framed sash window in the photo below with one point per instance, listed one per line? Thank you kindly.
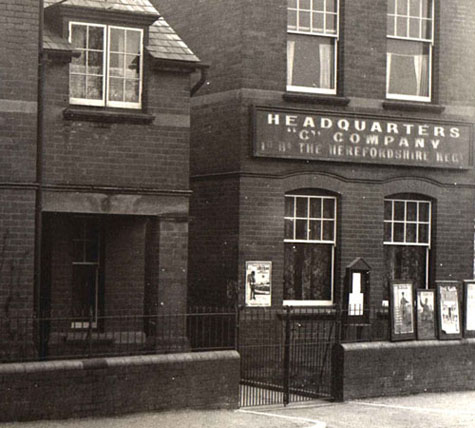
(410, 41)
(108, 71)
(309, 249)
(407, 240)
(312, 45)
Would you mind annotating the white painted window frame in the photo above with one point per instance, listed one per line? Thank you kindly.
(105, 102)
(404, 243)
(314, 241)
(429, 42)
(312, 32)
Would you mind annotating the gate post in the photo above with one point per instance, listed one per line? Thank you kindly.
(287, 356)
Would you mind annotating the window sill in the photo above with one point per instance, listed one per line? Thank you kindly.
(413, 106)
(107, 116)
(315, 99)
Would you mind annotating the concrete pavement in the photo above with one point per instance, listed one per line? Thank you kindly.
(451, 410)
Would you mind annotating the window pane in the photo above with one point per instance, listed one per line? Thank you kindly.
(302, 207)
(311, 61)
(398, 232)
(116, 89)
(304, 21)
(95, 60)
(292, 20)
(133, 42)
(331, 5)
(331, 24)
(391, 6)
(409, 69)
(289, 207)
(117, 42)
(414, 28)
(289, 229)
(92, 251)
(315, 230)
(78, 250)
(427, 8)
(426, 29)
(116, 65)
(388, 210)
(292, 3)
(414, 8)
(391, 27)
(328, 230)
(301, 231)
(424, 211)
(94, 88)
(402, 7)
(318, 22)
(132, 89)
(132, 65)
(424, 234)
(411, 232)
(77, 85)
(78, 65)
(399, 210)
(84, 290)
(96, 38)
(307, 272)
(387, 232)
(401, 26)
(305, 4)
(411, 214)
(79, 36)
(329, 208)
(315, 208)
(319, 5)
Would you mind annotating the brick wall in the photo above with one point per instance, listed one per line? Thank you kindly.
(379, 369)
(114, 386)
(120, 154)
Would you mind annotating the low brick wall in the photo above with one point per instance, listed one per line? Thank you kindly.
(362, 370)
(112, 386)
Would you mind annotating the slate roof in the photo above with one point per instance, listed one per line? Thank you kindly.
(53, 41)
(133, 6)
(163, 43)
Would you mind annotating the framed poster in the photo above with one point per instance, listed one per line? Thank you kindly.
(258, 283)
(469, 308)
(402, 310)
(448, 310)
(425, 314)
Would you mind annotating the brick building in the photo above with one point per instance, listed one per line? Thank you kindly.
(329, 131)
(115, 170)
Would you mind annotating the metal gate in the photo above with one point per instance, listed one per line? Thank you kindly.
(285, 354)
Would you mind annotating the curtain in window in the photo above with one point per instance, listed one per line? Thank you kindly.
(307, 271)
(290, 60)
(406, 263)
(325, 66)
(420, 65)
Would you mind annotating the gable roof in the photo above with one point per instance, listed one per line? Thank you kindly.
(163, 43)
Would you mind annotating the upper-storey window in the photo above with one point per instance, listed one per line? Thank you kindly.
(312, 42)
(108, 71)
(410, 40)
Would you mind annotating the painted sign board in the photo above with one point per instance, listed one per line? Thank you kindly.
(345, 137)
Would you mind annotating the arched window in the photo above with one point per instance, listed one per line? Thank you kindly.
(309, 246)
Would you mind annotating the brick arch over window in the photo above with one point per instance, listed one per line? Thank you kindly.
(310, 240)
(316, 181)
(408, 237)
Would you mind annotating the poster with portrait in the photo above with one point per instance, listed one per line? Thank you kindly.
(258, 283)
(402, 310)
(425, 314)
(469, 308)
(448, 310)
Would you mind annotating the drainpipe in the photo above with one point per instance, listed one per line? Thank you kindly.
(39, 163)
(204, 75)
